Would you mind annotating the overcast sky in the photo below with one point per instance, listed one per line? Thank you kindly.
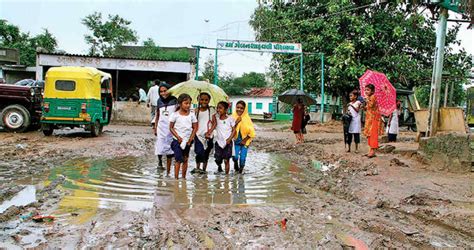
(169, 23)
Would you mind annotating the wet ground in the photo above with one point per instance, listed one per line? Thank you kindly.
(107, 192)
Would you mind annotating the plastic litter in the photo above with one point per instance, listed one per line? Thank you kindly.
(282, 223)
(43, 218)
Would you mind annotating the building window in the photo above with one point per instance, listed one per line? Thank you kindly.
(259, 105)
(65, 85)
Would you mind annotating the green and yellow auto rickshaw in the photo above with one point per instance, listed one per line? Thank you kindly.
(76, 97)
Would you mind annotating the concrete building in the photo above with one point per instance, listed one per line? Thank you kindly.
(126, 72)
(15, 73)
(9, 56)
(259, 100)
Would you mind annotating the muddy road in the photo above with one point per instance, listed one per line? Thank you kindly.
(107, 192)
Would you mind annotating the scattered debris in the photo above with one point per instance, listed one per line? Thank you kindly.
(398, 163)
(387, 149)
(43, 218)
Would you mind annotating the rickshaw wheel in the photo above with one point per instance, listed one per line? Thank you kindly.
(95, 129)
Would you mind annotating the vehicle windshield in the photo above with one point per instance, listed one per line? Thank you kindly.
(25, 82)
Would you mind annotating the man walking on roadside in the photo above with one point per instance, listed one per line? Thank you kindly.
(153, 95)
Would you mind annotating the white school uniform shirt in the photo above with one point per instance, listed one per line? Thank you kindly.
(224, 130)
(204, 121)
(153, 95)
(183, 125)
(393, 124)
(356, 125)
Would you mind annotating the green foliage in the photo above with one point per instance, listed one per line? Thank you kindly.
(107, 35)
(152, 51)
(354, 35)
(229, 83)
(456, 68)
(238, 85)
(12, 37)
(208, 70)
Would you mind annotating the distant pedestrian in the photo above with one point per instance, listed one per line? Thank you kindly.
(373, 121)
(165, 108)
(392, 125)
(141, 95)
(306, 120)
(353, 108)
(152, 100)
(225, 131)
(244, 134)
(183, 126)
(298, 115)
(203, 143)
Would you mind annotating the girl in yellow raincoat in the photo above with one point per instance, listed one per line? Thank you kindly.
(244, 133)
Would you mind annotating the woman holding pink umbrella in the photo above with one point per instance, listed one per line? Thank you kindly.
(380, 98)
(373, 122)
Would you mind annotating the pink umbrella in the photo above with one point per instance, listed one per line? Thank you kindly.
(384, 91)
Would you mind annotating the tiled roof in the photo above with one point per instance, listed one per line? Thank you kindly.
(260, 92)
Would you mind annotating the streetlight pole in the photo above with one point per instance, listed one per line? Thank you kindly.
(437, 73)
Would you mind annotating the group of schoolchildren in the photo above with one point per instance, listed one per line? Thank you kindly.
(374, 123)
(177, 128)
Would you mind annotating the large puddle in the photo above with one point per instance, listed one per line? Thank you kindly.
(134, 184)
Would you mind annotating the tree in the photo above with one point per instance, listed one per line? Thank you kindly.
(12, 37)
(229, 83)
(107, 35)
(208, 70)
(152, 51)
(239, 85)
(354, 35)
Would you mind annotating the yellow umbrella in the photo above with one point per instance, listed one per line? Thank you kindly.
(194, 88)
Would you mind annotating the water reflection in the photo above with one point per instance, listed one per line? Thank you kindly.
(134, 184)
(22, 198)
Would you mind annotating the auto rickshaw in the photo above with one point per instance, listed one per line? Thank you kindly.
(76, 97)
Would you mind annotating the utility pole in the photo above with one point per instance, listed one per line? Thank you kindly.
(437, 73)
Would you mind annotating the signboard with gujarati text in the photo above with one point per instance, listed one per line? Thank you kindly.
(292, 48)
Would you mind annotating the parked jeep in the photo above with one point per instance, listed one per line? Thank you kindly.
(20, 106)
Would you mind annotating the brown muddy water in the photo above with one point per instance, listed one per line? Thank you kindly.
(134, 184)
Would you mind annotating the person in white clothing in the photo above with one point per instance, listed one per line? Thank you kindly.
(141, 95)
(392, 125)
(152, 100)
(183, 126)
(203, 143)
(165, 108)
(353, 108)
(225, 131)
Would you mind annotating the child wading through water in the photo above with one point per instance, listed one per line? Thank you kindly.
(166, 106)
(353, 108)
(225, 128)
(203, 144)
(244, 133)
(183, 126)
(373, 122)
